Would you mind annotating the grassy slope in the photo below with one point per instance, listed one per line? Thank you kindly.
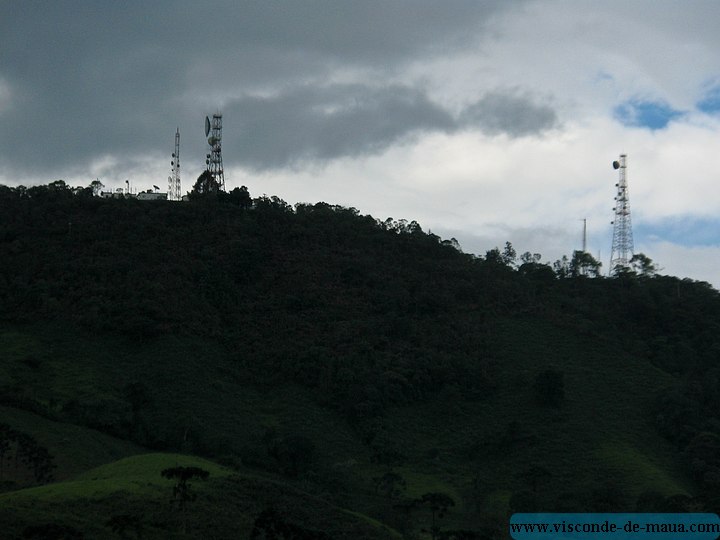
(75, 449)
(225, 507)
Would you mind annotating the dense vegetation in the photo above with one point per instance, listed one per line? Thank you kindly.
(344, 359)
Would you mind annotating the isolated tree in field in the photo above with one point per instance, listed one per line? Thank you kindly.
(181, 490)
(438, 503)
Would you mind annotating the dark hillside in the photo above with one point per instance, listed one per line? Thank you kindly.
(364, 362)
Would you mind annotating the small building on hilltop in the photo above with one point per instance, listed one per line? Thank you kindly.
(152, 196)
(119, 193)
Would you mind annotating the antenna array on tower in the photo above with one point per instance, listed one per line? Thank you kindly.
(622, 244)
(214, 158)
(174, 192)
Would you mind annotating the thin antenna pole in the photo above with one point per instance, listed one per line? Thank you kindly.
(584, 244)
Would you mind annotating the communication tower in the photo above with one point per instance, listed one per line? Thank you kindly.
(213, 131)
(622, 243)
(174, 193)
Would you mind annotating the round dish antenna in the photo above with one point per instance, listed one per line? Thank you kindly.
(207, 126)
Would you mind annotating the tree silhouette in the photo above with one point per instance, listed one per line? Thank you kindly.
(96, 187)
(438, 503)
(643, 265)
(181, 490)
(206, 184)
(508, 255)
(240, 197)
(584, 264)
(561, 267)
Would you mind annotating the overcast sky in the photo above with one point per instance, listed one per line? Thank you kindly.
(485, 121)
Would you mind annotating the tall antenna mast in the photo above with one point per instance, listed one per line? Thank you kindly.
(214, 158)
(622, 244)
(584, 243)
(174, 192)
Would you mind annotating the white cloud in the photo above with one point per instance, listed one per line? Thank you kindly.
(701, 263)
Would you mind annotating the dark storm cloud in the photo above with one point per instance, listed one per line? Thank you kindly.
(81, 79)
(323, 123)
(326, 123)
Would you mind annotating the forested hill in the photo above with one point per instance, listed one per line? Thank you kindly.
(255, 270)
(146, 318)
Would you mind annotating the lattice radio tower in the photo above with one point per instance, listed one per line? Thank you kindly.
(622, 244)
(213, 131)
(174, 193)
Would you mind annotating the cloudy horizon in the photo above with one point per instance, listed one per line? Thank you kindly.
(485, 121)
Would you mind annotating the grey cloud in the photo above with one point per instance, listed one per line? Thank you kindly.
(509, 113)
(321, 124)
(373, 32)
(327, 123)
(84, 79)
(46, 41)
